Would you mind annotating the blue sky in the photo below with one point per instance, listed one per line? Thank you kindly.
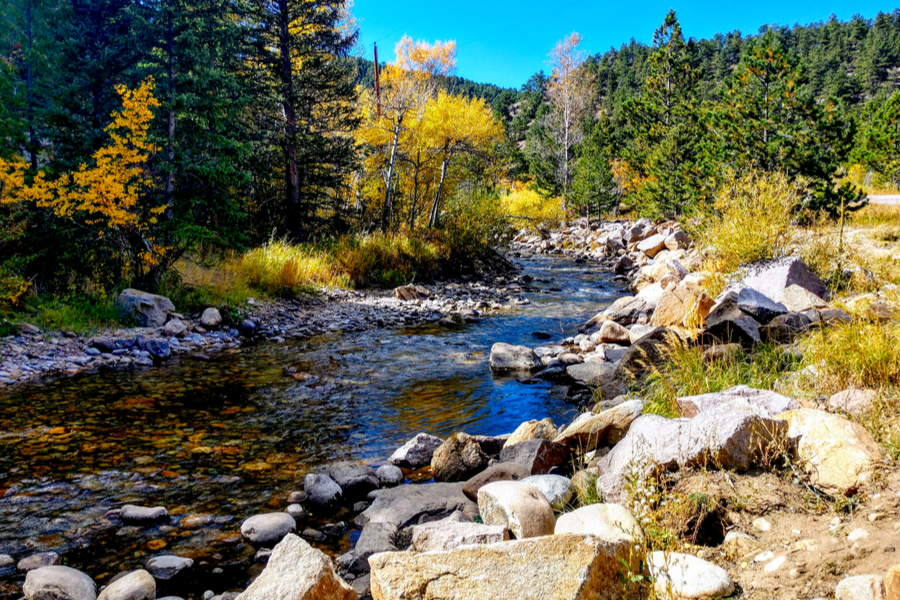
(505, 41)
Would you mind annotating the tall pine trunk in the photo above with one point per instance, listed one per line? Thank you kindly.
(292, 171)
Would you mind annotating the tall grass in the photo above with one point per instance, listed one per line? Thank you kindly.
(384, 261)
(281, 268)
(78, 313)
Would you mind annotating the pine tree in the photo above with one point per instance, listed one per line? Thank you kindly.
(878, 145)
(594, 187)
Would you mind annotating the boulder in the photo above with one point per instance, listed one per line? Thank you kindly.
(613, 333)
(211, 318)
(406, 293)
(639, 231)
(322, 492)
(147, 310)
(726, 324)
(558, 490)
(624, 311)
(297, 571)
(772, 277)
(762, 308)
(137, 585)
(375, 537)
(533, 430)
(652, 245)
(409, 505)
(685, 576)
(853, 401)
(892, 583)
(558, 567)
(609, 522)
(645, 351)
(861, 587)
(623, 265)
(417, 452)
(355, 479)
(602, 376)
(784, 328)
(504, 471)
(168, 566)
(677, 241)
(538, 456)
(451, 533)
(158, 349)
(520, 507)
(176, 328)
(268, 529)
(738, 544)
(58, 583)
(506, 358)
(143, 515)
(589, 431)
(771, 403)
(38, 560)
(798, 299)
(389, 475)
(682, 306)
(837, 455)
(458, 459)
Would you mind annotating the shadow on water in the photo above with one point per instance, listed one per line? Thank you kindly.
(230, 437)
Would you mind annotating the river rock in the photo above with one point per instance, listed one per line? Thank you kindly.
(147, 310)
(268, 529)
(589, 431)
(759, 306)
(738, 544)
(520, 507)
(558, 490)
(853, 401)
(137, 585)
(506, 358)
(678, 241)
(861, 587)
(176, 328)
(533, 430)
(355, 480)
(624, 311)
(458, 459)
(772, 403)
(645, 351)
(406, 293)
(297, 511)
(784, 328)
(143, 515)
(504, 471)
(682, 306)
(687, 576)
(609, 522)
(56, 582)
(168, 566)
(798, 299)
(601, 376)
(726, 324)
(409, 505)
(538, 456)
(375, 537)
(613, 333)
(158, 349)
(564, 567)
(652, 245)
(211, 318)
(322, 492)
(772, 277)
(417, 452)
(838, 455)
(389, 475)
(38, 560)
(623, 265)
(453, 532)
(297, 571)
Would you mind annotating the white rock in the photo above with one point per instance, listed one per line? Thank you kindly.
(611, 522)
(861, 587)
(520, 507)
(764, 556)
(137, 585)
(687, 576)
(857, 534)
(775, 564)
(558, 490)
(210, 318)
(761, 524)
(58, 583)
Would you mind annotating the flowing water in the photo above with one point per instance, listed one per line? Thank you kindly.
(222, 439)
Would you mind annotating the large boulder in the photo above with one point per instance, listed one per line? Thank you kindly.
(375, 537)
(211, 317)
(759, 306)
(504, 471)
(533, 430)
(837, 455)
(520, 507)
(589, 431)
(268, 529)
(684, 576)
(417, 452)
(137, 585)
(409, 505)
(644, 351)
(297, 571)
(322, 492)
(612, 333)
(58, 583)
(853, 401)
(726, 323)
(538, 456)
(861, 587)
(604, 377)
(558, 567)
(458, 459)
(453, 532)
(772, 277)
(624, 311)
(772, 403)
(609, 522)
(147, 310)
(506, 358)
(652, 245)
(558, 490)
(356, 480)
(683, 306)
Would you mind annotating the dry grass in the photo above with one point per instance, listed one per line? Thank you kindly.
(282, 268)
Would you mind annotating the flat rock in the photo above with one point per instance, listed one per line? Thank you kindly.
(759, 306)
(687, 576)
(558, 490)
(544, 429)
(56, 582)
(137, 585)
(504, 471)
(563, 567)
(38, 560)
(590, 430)
(853, 401)
(322, 492)
(652, 245)
(459, 458)
(798, 299)
(355, 479)
(417, 452)
(609, 522)
(506, 358)
(451, 533)
(861, 587)
(268, 529)
(143, 515)
(297, 571)
(168, 566)
(520, 507)
(409, 505)
(771, 403)
(538, 456)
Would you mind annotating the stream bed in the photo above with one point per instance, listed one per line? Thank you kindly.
(216, 441)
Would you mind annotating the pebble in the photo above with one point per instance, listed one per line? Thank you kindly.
(762, 524)
(857, 534)
(764, 556)
(775, 564)
(168, 566)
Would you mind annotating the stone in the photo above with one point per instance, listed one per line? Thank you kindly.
(451, 533)
(558, 490)
(56, 582)
(176, 328)
(211, 318)
(533, 430)
(652, 245)
(853, 401)
(297, 511)
(861, 587)
(624, 311)
(520, 507)
(268, 529)
(733, 436)
(892, 583)
(603, 377)
(639, 231)
(355, 479)
(645, 351)
(609, 522)
(506, 358)
(685, 576)
(726, 324)
(623, 265)
(389, 475)
(613, 333)
(458, 459)
(147, 310)
(681, 306)
(409, 505)
(168, 566)
(417, 452)
(406, 293)
(784, 328)
(158, 349)
(772, 277)
(297, 571)
(762, 308)
(837, 455)
(322, 492)
(589, 431)
(28, 328)
(798, 299)
(677, 241)
(538, 456)
(504, 471)
(36, 561)
(771, 403)
(558, 567)
(738, 545)
(143, 515)
(762, 524)
(857, 534)
(375, 537)
(136, 585)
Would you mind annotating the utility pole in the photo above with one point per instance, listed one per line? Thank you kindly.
(377, 84)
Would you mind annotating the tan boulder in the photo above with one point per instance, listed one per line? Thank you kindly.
(838, 455)
(610, 522)
(558, 567)
(520, 507)
(533, 430)
(680, 306)
(613, 333)
(798, 299)
(892, 583)
(853, 401)
(589, 431)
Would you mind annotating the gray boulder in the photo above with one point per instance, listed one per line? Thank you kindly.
(137, 585)
(375, 537)
(268, 529)
(417, 452)
(503, 471)
(506, 358)
(58, 583)
(770, 403)
(409, 505)
(455, 531)
(784, 328)
(558, 490)
(210, 318)
(356, 480)
(158, 349)
(322, 492)
(147, 310)
(653, 245)
(538, 456)
(389, 475)
(762, 308)
(168, 566)
(726, 323)
(772, 277)
(601, 376)
(644, 351)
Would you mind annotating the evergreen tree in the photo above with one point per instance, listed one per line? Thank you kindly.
(879, 140)
(594, 187)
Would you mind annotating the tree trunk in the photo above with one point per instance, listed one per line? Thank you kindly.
(388, 208)
(292, 171)
(436, 206)
(415, 198)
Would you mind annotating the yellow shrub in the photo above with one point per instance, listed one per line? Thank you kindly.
(524, 202)
(279, 267)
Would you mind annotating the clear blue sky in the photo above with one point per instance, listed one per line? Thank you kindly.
(505, 41)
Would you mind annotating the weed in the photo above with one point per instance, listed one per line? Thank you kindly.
(81, 314)
(283, 269)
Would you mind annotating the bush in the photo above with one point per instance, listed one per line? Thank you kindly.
(386, 261)
(473, 225)
(283, 269)
(78, 313)
(524, 202)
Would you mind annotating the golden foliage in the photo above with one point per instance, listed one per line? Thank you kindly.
(524, 201)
